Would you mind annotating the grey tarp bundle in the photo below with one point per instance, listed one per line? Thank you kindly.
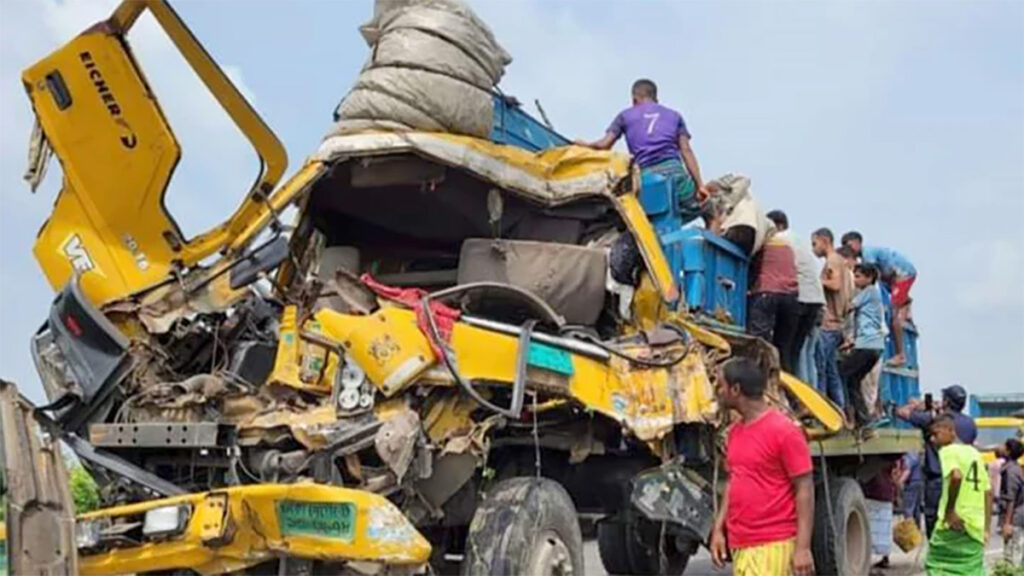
(432, 67)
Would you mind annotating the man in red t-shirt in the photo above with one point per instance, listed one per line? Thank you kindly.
(768, 512)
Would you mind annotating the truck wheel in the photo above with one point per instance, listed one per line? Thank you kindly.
(844, 547)
(632, 548)
(524, 526)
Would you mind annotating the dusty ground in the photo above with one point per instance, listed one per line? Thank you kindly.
(902, 564)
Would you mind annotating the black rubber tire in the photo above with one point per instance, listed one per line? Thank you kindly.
(628, 548)
(830, 540)
(611, 544)
(508, 528)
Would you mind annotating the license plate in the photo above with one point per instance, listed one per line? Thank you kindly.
(323, 519)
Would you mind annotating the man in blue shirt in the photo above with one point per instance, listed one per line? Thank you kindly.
(913, 486)
(868, 339)
(899, 274)
(658, 139)
(954, 398)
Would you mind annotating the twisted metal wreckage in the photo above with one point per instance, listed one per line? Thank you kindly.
(370, 386)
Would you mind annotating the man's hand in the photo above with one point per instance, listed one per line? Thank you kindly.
(703, 194)
(954, 522)
(719, 549)
(581, 142)
(846, 345)
(1007, 532)
(803, 562)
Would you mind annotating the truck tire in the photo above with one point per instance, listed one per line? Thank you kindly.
(524, 526)
(841, 547)
(631, 548)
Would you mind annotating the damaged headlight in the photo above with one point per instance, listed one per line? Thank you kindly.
(353, 387)
(165, 521)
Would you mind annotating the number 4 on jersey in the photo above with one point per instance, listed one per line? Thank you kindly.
(972, 475)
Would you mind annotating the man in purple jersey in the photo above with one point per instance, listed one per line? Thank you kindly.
(659, 141)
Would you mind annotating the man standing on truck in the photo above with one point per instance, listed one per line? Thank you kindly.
(809, 301)
(868, 342)
(957, 545)
(658, 139)
(838, 284)
(767, 514)
(772, 303)
(954, 398)
(899, 274)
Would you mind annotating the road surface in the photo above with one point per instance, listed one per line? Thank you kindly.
(700, 565)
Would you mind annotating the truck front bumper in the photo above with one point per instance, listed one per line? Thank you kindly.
(235, 528)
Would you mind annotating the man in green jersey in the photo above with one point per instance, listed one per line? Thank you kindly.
(957, 546)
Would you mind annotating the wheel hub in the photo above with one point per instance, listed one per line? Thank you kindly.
(551, 556)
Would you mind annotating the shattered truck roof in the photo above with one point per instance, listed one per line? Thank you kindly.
(552, 176)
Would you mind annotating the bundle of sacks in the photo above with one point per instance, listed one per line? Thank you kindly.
(432, 67)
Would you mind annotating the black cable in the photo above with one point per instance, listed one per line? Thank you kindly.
(435, 338)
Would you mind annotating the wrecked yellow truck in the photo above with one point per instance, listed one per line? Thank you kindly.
(454, 348)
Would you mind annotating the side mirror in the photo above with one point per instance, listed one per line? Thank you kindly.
(262, 259)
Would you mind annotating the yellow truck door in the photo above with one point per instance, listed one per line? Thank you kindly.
(118, 154)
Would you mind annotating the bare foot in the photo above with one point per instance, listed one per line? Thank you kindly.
(897, 360)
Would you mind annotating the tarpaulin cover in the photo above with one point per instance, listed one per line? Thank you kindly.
(432, 67)
(552, 176)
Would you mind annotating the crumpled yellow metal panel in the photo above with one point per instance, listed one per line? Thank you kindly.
(387, 345)
(298, 364)
(252, 532)
(830, 416)
(647, 401)
(650, 401)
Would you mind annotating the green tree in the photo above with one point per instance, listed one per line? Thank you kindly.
(84, 492)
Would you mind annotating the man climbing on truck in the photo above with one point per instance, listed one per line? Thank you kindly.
(899, 274)
(658, 139)
(767, 515)
(957, 545)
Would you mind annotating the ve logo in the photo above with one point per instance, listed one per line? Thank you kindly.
(76, 253)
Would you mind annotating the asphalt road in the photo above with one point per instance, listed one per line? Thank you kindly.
(700, 565)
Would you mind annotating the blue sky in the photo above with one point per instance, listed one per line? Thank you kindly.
(904, 120)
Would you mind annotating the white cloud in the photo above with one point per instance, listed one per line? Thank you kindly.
(992, 276)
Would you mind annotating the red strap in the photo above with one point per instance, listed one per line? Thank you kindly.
(444, 316)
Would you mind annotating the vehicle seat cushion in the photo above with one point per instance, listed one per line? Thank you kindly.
(570, 278)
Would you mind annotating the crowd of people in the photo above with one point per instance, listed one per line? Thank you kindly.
(766, 518)
(828, 323)
(955, 492)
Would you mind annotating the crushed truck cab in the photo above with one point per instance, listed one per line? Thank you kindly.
(456, 346)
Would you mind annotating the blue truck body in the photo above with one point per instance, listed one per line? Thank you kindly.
(993, 405)
(711, 272)
(512, 125)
